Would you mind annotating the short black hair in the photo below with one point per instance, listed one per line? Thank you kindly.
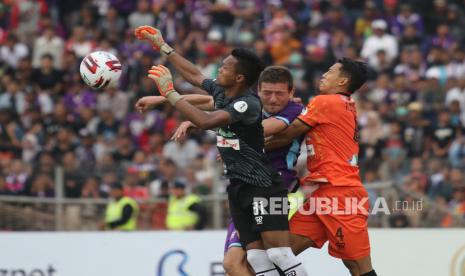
(277, 74)
(248, 64)
(357, 72)
(47, 56)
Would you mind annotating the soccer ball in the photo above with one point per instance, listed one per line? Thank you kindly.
(100, 69)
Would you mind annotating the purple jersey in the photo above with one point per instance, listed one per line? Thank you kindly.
(285, 158)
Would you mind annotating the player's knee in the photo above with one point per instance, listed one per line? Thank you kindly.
(352, 266)
(231, 264)
(235, 261)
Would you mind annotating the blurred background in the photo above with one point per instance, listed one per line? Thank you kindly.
(63, 145)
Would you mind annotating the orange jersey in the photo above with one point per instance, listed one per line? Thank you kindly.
(332, 143)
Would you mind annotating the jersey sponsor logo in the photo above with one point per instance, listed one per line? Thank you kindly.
(222, 142)
(226, 133)
(258, 208)
(240, 106)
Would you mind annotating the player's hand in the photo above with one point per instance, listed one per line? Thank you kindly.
(144, 104)
(163, 79)
(150, 34)
(182, 129)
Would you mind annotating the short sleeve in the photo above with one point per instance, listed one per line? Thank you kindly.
(211, 87)
(289, 113)
(245, 109)
(314, 113)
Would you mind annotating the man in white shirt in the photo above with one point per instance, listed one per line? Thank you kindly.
(182, 151)
(13, 51)
(457, 93)
(380, 41)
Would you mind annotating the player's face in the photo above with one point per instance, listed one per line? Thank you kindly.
(226, 73)
(274, 96)
(332, 80)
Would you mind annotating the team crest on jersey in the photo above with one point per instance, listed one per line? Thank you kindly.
(240, 106)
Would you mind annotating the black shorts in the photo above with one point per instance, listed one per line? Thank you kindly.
(257, 209)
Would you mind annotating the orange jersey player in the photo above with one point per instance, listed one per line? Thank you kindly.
(337, 211)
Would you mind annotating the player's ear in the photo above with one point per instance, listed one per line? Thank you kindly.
(240, 78)
(292, 92)
(344, 82)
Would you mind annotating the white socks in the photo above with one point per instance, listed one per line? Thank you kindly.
(258, 260)
(285, 259)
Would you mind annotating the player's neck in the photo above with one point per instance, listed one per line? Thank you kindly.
(343, 93)
(234, 92)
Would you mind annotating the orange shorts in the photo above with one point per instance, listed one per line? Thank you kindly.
(343, 223)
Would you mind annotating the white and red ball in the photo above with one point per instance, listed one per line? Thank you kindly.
(100, 69)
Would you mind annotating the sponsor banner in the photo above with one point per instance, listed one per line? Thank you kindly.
(394, 252)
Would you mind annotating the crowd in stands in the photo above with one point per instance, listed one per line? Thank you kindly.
(411, 113)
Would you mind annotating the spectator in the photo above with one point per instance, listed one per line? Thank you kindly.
(108, 126)
(134, 188)
(46, 78)
(51, 44)
(10, 133)
(114, 100)
(184, 210)
(90, 189)
(112, 25)
(380, 40)
(121, 213)
(42, 186)
(443, 135)
(168, 172)
(13, 98)
(79, 44)
(17, 180)
(183, 151)
(407, 18)
(13, 51)
(74, 177)
(416, 131)
(142, 16)
(457, 152)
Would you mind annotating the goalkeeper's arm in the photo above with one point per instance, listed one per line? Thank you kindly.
(184, 67)
(187, 70)
(203, 102)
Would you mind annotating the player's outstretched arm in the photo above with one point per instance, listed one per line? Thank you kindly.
(164, 81)
(296, 129)
(187, 70)
(204, 102)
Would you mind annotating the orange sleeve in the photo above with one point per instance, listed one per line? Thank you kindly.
(314, 113)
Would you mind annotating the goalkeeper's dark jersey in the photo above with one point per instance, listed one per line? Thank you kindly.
(241, 143)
